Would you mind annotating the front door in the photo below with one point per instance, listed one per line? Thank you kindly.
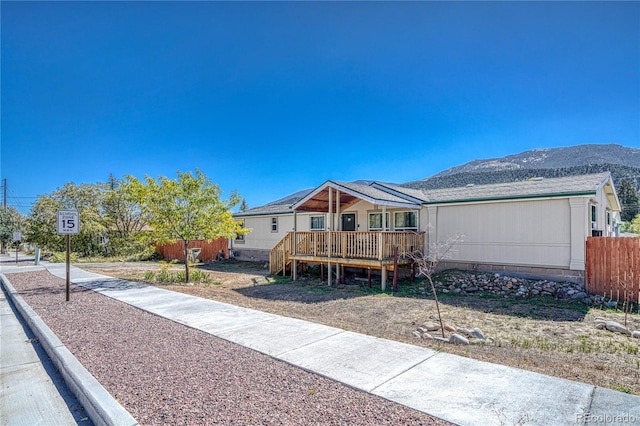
(349, 222)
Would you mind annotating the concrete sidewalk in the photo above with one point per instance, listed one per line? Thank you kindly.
(454, 388)
(32, 392)
(41, 382)
(457, 389)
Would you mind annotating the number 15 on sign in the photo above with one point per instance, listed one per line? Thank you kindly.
(68, 222)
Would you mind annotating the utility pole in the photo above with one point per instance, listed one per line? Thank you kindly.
(4, 193)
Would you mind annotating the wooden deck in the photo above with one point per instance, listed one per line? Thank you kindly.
(374, 250)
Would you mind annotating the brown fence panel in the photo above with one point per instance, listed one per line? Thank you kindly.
(613, 267)
(208, 250)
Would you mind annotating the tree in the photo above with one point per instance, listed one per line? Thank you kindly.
(86, 199)
(427, 263)
(10, 221)
(244, 206)
(629, 200)
(635, 225)
(185, 209)
(122, 216)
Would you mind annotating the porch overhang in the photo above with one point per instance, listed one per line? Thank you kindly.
(346, 195)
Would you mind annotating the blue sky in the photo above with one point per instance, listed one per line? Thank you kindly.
(268, 98)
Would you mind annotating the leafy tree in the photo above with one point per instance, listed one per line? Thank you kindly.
(185, 209)
(86, 198)
(122, 216)
(635, 225)
(10, 221)
(629, 200)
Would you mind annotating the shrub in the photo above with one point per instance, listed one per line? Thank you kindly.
(61, 257)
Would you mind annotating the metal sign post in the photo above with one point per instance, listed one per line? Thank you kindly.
(68, 224)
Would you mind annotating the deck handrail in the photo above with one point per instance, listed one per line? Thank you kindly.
(357, 244)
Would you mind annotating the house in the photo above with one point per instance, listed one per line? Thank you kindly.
(534, 228)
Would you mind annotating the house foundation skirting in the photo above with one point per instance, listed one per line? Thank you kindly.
(251, 255)
(527, 272)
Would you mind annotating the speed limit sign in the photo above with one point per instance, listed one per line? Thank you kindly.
(68, 222)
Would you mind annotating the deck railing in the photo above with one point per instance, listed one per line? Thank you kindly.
(279, 255)
(343, 245)
(357, 245)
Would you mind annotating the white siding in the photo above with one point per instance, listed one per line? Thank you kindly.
(532, 233)
(261, 236)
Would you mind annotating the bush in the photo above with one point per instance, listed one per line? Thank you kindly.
(61, 257)
(166, 276)
(147, 253)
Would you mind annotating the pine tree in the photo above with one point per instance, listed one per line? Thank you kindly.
(629, 200)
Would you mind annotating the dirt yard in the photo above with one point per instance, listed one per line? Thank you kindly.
(538, 334)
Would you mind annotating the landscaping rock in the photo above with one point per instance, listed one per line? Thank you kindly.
(450, 327)
(636, 334)
(477, 333)
(462, 283)
(458, 339)
(431, 326)
(617, 327)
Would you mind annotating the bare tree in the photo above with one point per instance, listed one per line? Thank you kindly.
(629, 285)
(427, 263)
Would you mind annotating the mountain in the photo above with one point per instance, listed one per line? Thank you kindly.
(553, 158)
(622, 162)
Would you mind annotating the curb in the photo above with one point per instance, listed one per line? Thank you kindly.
(102, 408)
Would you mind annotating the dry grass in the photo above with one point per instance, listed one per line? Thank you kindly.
(540, 334)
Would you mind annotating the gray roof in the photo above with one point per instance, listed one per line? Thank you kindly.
(532, 188)
(382, 193)
(374, 192)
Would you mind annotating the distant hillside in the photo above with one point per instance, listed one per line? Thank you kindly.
(622, 162)
(618, 172)
(553, 158)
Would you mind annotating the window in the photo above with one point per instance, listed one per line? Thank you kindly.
(317, 223)
(239, 237)
(594, 217)
(274, 224)
(406, 221)
(375, 222)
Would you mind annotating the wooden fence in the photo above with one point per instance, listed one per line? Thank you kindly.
(208, 250)
(613, 267)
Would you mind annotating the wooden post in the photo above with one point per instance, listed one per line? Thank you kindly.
(383, 280)
(369, 274)
(413, 267)
(294, 263)
(395, 269)
(294, 270)
(329, 236)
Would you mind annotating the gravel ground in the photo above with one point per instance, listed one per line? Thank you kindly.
(165, 373)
